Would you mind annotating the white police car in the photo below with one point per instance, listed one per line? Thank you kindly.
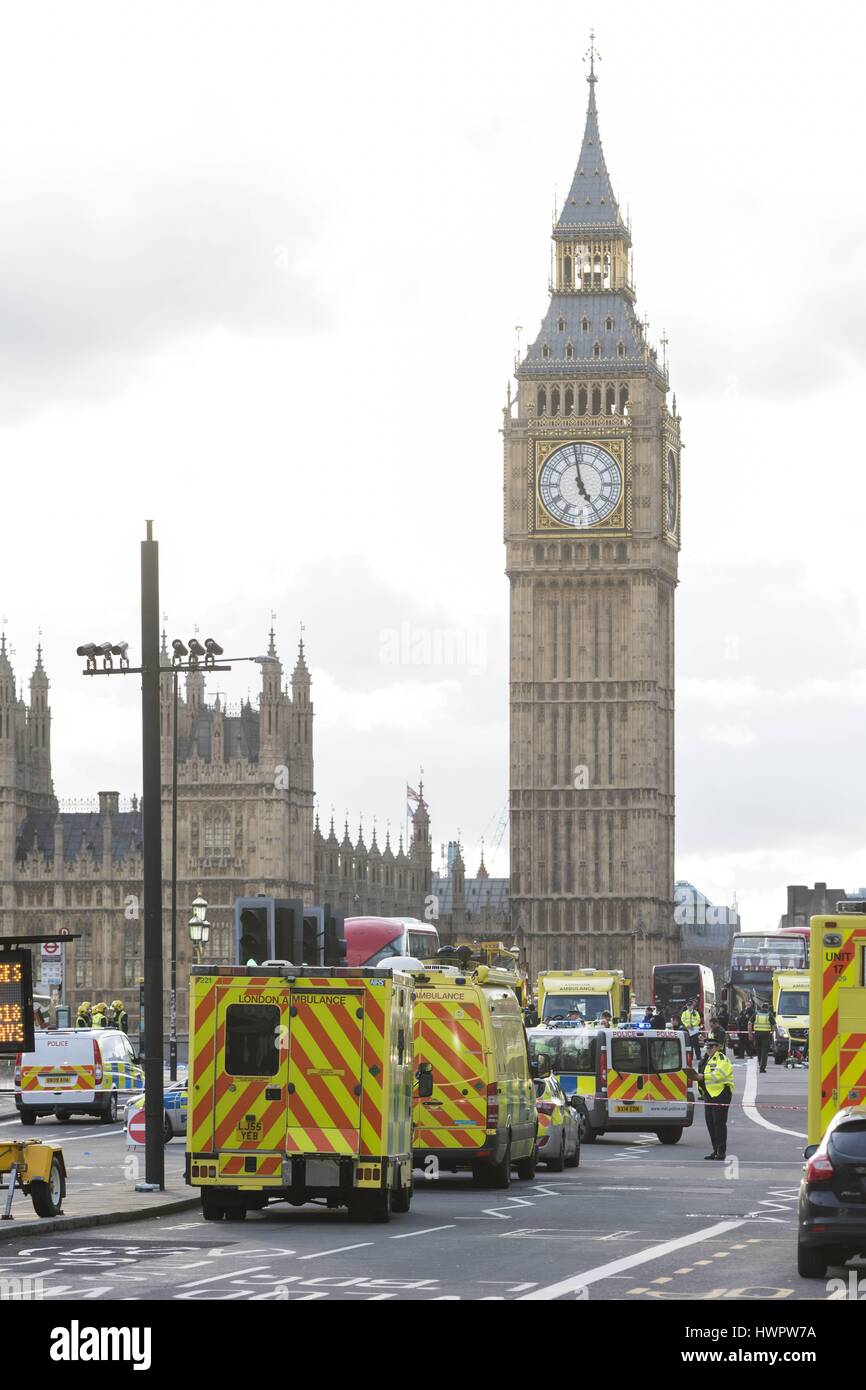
(174, 1103)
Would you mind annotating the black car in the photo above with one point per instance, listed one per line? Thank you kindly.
(832, 1207)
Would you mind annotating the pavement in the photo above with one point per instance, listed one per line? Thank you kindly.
(636, 1221)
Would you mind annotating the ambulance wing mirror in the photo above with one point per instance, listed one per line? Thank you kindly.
(424, 1077)
(531, 1017)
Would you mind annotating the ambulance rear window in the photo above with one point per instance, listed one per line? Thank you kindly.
(252, 1039)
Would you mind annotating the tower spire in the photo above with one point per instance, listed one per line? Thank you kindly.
(592, 53)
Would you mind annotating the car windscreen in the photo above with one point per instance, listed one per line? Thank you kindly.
(588, 1006)
(793, 1001)
(567, 1052)
(848, 1142)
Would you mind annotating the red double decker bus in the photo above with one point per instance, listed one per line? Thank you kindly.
(371, 940)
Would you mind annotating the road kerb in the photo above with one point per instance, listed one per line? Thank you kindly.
(29, 1226)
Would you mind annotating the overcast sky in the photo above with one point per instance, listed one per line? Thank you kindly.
(260, 271)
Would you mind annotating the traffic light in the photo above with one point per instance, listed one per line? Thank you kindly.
(335, 943)
(254, 930)
(289, 930)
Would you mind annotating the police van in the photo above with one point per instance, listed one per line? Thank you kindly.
(622, 1078)
(76, 1071)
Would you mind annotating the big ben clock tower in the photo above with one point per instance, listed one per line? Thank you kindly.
(592, 528)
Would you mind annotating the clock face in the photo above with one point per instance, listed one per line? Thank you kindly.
(580, 484)
(671, 493)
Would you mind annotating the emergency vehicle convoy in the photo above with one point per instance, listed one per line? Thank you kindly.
(300, 1088)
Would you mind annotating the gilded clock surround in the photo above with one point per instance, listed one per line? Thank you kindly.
(617, 442)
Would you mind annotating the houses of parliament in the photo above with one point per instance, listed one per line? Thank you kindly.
(591, 503)
(246, 825)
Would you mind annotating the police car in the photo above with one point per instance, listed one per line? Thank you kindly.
(76, 1071)
(174, 1103)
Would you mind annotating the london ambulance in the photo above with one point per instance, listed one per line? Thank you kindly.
(588, 993)
(791, 1007)
(837, 1015)
(76, 1071)
(475, 1107)
(300, 1089)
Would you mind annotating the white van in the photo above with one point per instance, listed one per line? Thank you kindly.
(76, 1071)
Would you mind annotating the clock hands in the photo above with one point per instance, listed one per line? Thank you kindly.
(580, 487)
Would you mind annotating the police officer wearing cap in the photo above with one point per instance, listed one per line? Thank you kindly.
(715, 1075)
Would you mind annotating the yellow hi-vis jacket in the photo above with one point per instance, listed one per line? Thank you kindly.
(691, 1019)
(718, 1073)
(762, 1022)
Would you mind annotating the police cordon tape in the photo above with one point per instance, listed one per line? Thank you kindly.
(638, 1100)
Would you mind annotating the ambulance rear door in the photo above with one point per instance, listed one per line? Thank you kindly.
(326, 1049)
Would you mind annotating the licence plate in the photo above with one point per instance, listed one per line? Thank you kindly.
(622, 1109)
(56, 1078)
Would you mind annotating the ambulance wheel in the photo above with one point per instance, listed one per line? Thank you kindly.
(671, 1135)
(372, 1206)
(778, 1058)
(500, 1173)
(588, 1135)
(812, 1261)
(526, 1166)
(47, 1197)
(402, 1198)
(236, 1212)
(108, 1114)
(27, 1117)
(212, 1209)
(61, 1116)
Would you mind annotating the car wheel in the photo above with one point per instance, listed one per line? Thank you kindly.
(27, 1117)
(812, 1261)
(166, 1129)
(671, 1135)
(588, 1135)
(574, 1161)
(556, 1165)
(108, 1114)
(526, 1167)
(47, 1197)
(500, 1173)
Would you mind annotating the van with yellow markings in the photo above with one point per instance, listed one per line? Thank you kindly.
(475, 1107)
(837, 1017)
(76, 1071)
(621, 1079)
(583, 994)
(300, 1089)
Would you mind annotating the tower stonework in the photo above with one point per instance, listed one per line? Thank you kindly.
(592, 531)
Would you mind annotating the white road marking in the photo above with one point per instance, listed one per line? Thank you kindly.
(428, 1230)
(226, 1274)
(748, 1102)
(338, 1250)
(655, 1252)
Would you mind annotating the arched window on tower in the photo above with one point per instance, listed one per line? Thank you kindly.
(596, 349)
(587, 272)
(596, 400)
(541, 401)
(538, 554)
(561, 325)
(623, 399)
(606, 271)
(569, 400)
(610, 401)
(554, 400)
(596, 272)
(569, 351)
(608, 323)
(582, 400)
(620, 349)
(545, 351)
(584, 323)
(566, 272)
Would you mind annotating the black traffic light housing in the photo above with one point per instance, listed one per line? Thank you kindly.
(335, 936)
(254, 930)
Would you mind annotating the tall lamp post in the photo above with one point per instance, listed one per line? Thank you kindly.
(186, 658)
(199, 927)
